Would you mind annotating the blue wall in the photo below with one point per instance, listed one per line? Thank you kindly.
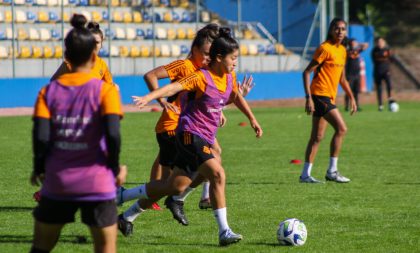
(22, 92)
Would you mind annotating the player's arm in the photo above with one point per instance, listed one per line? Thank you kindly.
(243, 106)
(152, 77)
(165, 91)
(346, 87)
(309, 104)
(364, 46)
(40, 147)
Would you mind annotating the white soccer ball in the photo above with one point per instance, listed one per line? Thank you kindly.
(292, 232)
(394, 107)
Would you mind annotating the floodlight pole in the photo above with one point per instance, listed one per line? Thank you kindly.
(331, 10)
(346, 10)
(239, 30)
(323, 21)
(13, 40)
(279, 22)
(153, 34)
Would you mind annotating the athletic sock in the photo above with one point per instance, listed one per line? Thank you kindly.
(184, 195)
(306, 171)
(138, 192)
(132, 212)
(205, 194)
(221, 219)
(333, 165)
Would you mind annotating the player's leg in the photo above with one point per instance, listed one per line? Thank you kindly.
(156, 171)
(340, 129)
(45, 236)
(387, 79)
(378, 86)
(104, 239)
(213, 170)
(355, 88)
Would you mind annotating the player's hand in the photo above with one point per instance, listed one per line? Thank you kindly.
(140, 102)
(246, 86)
(309, 106)
(36, 180)
(223, 120)
(121, 177)
(169, 106)
(353, 107)
(258, 130)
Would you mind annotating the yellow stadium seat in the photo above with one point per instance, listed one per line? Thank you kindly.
(280, 48)
(20, 16)
(156, 3)
(22, 34)
(120, 33)
(134, 51)
(243, 49)
(181, 34)
(3, 52)
(96, 17)
(161, 33)
(137, 17)
(8, 16)
(53, 2)
(48, 52)
(252, 49)
(42, 17)
(117, 17)
(45, 34)
(175, 50)
(165, 51)
(156, 51)
(144, 51)
(184, 3)
(128, 18)
(174, 3)
(66, 17)
(131, 33)
(36, 52)
(125, 2)
(190, 33)
(248, 35)
(33, 34)
(167, 16)
(87, 15)
(25, 52)
(58, 52)
(171, 34)
(115, 3)
(114, 51)
(124, 52)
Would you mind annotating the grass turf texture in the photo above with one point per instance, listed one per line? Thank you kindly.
(376, 212)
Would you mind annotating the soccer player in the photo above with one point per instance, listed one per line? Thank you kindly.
(212, 89)
(381, 55)
(168, 122)
(328, 63)
(76, 145)
(353, 70)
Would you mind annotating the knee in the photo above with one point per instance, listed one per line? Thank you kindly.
(317, 138)
(342, 130)
(219, 177)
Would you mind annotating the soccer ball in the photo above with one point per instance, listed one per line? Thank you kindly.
(292, 232)
(394, 107)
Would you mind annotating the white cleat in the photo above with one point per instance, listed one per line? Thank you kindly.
(228, 237)
(336, 177)
(310, 180)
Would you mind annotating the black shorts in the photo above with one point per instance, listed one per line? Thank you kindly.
(322, 105)
(192, 152)
(94, 213)
(167, 148)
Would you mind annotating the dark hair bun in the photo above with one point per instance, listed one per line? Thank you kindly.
(225, 32)
(93, 25)
(78, 21)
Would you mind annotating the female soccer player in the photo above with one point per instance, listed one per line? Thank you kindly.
(328, 63)
(76, 144)
(212, 89)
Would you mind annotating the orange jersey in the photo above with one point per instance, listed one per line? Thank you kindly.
(332, 59)
(168, 121)
(109, 96)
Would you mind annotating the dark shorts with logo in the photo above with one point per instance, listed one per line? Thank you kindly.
(167, 148)
(322, 105)
(94, 213)
(192, 152)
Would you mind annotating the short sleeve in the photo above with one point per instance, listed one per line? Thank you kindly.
(107, 75)
(193, 82)
(320, 55)
(41, 109)
(110, 100)
(176, 70)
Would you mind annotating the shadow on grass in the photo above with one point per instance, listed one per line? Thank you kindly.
(271, 244)
(76, 239)
(15, 208)
(255, 183)
(182, 244)
(402, 183)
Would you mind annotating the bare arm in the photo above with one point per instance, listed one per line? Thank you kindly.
(152, 77)
(242, 105)
(165, 91)
(309, 105)
(346, 87)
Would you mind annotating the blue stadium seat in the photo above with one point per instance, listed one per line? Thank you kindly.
(103, 52)
(83, 3)
(147, 3)
(270, 49)
(175, 17)
(2, 35)
(164, 3)
(31, 17)
(55, 35)
(193, 17)
(184, 49)
(261, 49)
(73, 2)
(186, 16)
(158, 18)
(105, 15)
(7, 2)
(140, 33)
(109, 34)
(29, 2)
(149, 34)
(146, 17)
(53, 17)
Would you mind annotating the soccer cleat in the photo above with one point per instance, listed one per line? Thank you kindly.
(177, 210)
(228, 237)
(119, 199)
(155, 206)
(204, 204)
(310, 180)
(381, 108)
(125, 227)
(336, 177)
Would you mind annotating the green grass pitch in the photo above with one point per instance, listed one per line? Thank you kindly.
(377, 212)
